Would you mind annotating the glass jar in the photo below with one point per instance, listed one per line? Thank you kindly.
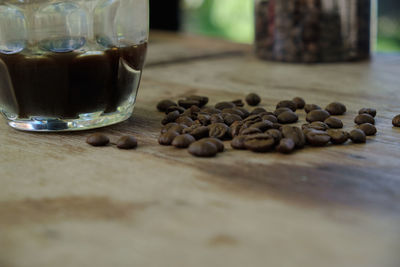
(313, 30)
(70, 65)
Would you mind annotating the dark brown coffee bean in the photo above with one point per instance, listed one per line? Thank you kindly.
(288, 117)
(204, 119)
(316, 125)
(127, 142)
(263, 125)
(336, 108)
(218, 143)
(216, 118)
(210, 110)
(253, 99)
(276, 134)
(238, 142)
(191, 112)
(334, 123)
(338, 137)
(203, 100)
(358, 136)
(369, 111)
(279, 111)
(173, 126)
(185, 120)
(270, 118)
(364, 118)
(203, 149)
(318, 138)
(183, 141)
(238, 102)
(97, 139)
(245, 112)
(236, 127)
(317, 115)
(310, 107)
(250, 131)
(234, 111)
(224, 105)
(170, 117)
(230, 118)
(188, 103)
(198, 132)
(300, 103)
(368, 129)
(259, 142)
(396, 121)
(252, 119)
(277, 126)
(219, 130)
(287, 104)
(166, 139)
(294, 133)
(165, 104)
(257, 111)
(175, 108)
(286, 146)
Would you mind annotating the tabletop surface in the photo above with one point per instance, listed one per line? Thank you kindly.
(64, 203)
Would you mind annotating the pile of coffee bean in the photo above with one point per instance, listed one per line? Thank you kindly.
(125, 142)
(190, 123)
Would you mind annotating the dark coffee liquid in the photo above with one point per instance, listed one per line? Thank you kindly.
(66, 85)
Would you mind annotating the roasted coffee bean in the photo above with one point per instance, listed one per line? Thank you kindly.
(263, 125)
(369, 111)
(279, 111)
(277, 126)
(173, 126)
(165, 104)
(316, 125)
(338, 137)
(203, 149)
(97, 139)
(257, 111)
(396, 121)
(236, 127)
(286, 146)
(127, 142)
(185, 120)
(198, 132)
(224, 105)
(250, 131)
(191, 112)
(253, 99)
(245, 112)
(287, 104)
(300, 103)
(204, 119)
(238, 142)
(216, 118)
(358, 136)
(203, 100)
(188, 103)
(218, 143)
(170, 117)
(310, 107)
(318, 138)
(306, 130)
(276, 134)
(234, 111)
(183, 141)
(288, 117)
(166, 139)
(175, 108)
(230, 118)
(270, 118)
(364, 118)
(210, 110)
(238, 102)
(317, 115)
(336, 108)
(219, 130)
(294, 133)
(368, 129)
(259, 142)
(252, 119)
(334, 123)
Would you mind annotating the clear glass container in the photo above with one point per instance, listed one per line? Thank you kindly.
(70, 65)
(314, 30)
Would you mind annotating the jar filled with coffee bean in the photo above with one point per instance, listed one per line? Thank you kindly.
(314, 31)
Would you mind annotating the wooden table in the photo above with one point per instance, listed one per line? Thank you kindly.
(64, 203)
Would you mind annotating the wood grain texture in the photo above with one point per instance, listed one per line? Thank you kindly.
(64, 203)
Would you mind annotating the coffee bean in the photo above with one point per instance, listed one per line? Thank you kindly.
(270, 118)
(364, 118)
(234, 111)
(287, 104)
(188, 103)
(238, 102)
(300, 103)
(338, 137)
(236, 127)
(369, 111)
(127, 142)
(277, 126)
(224, 105)
(204, 119)
(316, 125)
(238, 142)
(203, 100)
(203, 149)
(252, 119)
(310, 107)
(250, 131)
(218, 143)
(230, 118)
(288, 117)
(191, 112)
(219, 130)
(263, 125)
(286, 146)
(216, 118)
(170, 117)
(210, 110)
(173, 126)
(358, 136)
(97, 139)
(334, 123)
(166, 139)
(175, 108)
(276, 134)
(253, 99)
(185, 120)
(396, 121)
(183, 141)
(317, 115)
(259, 142)
(294, 133)
(318, 138)
(279, 111)
(245, 112)
(336, 108)
(198, 132)
(257, 111)
(165, 104)
(368, 129)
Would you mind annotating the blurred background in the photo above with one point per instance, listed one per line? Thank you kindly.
(233, 20)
